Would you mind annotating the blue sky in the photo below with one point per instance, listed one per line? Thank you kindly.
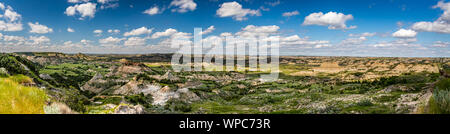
(343, 27)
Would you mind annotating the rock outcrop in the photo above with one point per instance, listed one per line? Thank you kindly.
(91, 84)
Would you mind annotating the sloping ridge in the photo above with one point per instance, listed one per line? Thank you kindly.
(18, 65)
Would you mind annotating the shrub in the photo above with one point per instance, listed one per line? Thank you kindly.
(388, 98)
(358, 74)
(446, 68)
(177, 105)
(364, 103)
(109, 100)
(76, 102)
(443, 84)
(141, 99)
(441, 100)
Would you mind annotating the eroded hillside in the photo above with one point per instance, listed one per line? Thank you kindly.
(140, 84)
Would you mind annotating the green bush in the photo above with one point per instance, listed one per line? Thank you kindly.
(404, 79)
(206, 86)
(443, 84)
(109, 100)
(446, 68)
(77, 102)
(364, 103)
(141, 99)
(358, 74)
(388, 98)
(176, 105)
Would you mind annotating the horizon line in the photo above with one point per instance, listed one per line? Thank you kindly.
(244, 55)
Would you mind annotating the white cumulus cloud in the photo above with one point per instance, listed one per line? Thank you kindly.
(446, 7)
(10, 20)
(85, 10)
(38, 28)
(13, 38)
(252, 30)
(7, 26)
(441, 25)
(98, 32)
(108, 4)
(114, 31)
(152, 11)
(12, 15)
(139, 31)
(297, 40)
(70, 30)
(135, 41)
(365, 34)
(333, 20)
(209, 30)
(404, 33)
(77, 1)
(168, 32)
(183, 6)
(2, 6)
(441, 44)
(105, 1)
(39, 40)
(289, 14)
(225, 34)
(235, 10)
(353, 41)
(110, 41)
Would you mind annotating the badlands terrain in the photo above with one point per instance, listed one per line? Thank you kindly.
(146, 84)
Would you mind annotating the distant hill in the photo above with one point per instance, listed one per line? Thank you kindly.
(41, 53)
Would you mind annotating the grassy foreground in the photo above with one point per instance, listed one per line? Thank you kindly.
(18, 99)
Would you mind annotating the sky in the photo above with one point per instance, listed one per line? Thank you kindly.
(393, 28)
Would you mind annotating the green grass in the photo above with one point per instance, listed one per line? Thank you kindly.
(21, 79)
(295, 111)
(292, 68)
(100, 109)
(388, 98)
(368, 109)
(441, 99)
(439, 102)
(109, 100)
(215, 107)
(67, 65)
(18, 99)
(64, 68)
